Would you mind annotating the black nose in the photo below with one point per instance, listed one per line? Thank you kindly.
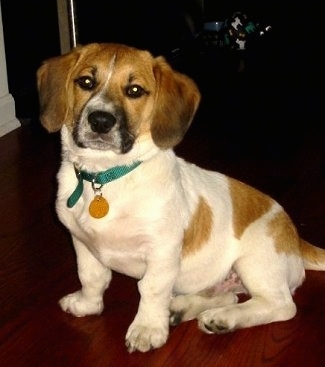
(101, 121)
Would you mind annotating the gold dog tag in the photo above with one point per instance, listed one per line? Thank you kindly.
(98, 207)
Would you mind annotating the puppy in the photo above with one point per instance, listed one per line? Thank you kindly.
(194, 238)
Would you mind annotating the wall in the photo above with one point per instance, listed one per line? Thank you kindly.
(8, 120)
(30, 36)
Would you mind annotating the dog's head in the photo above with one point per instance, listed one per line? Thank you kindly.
(109, 95)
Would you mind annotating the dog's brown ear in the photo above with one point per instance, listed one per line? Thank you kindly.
(55, 90)
(176, 102)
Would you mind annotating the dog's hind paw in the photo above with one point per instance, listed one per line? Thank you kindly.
(176, 317)
(188, 307)
(79, 305)
(216, 322)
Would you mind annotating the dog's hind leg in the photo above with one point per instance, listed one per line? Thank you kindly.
(189, 306)
(94, 278)
(270, 301)
(255, 311)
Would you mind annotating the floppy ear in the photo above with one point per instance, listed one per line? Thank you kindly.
(54, 90)
(176, 102)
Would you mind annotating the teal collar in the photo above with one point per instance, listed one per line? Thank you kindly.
(99, 178)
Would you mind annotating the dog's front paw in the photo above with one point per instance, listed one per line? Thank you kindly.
(143, 338)
(79, 305)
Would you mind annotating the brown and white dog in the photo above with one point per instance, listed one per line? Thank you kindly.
(194, 238)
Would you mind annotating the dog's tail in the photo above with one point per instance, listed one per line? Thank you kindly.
(313, 257)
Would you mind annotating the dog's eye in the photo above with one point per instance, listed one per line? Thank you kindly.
(135, 91)
(86, 82)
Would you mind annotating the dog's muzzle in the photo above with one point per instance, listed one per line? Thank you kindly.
(103, 130)
(101, 122)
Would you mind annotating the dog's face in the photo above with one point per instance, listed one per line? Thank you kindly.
(109, 95)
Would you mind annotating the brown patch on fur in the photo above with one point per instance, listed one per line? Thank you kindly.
(53, 81)
(248, 204)
(284, 233)
(177, 99)
(199, 229)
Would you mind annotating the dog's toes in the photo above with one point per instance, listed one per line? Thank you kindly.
(143, 338)
(211, 322)
(180, 310)
(214, 328)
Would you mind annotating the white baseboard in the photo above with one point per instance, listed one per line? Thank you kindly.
(8, 120)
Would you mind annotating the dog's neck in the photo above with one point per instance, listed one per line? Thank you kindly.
(98, 178)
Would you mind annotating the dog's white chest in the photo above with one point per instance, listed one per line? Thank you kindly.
(123, 238)
(116, 245)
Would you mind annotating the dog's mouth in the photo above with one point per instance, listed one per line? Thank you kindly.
(102, 130)
(120, 142)
(102, 142)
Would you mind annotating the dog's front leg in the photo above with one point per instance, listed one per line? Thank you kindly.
(94, 278)
(150, 327)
